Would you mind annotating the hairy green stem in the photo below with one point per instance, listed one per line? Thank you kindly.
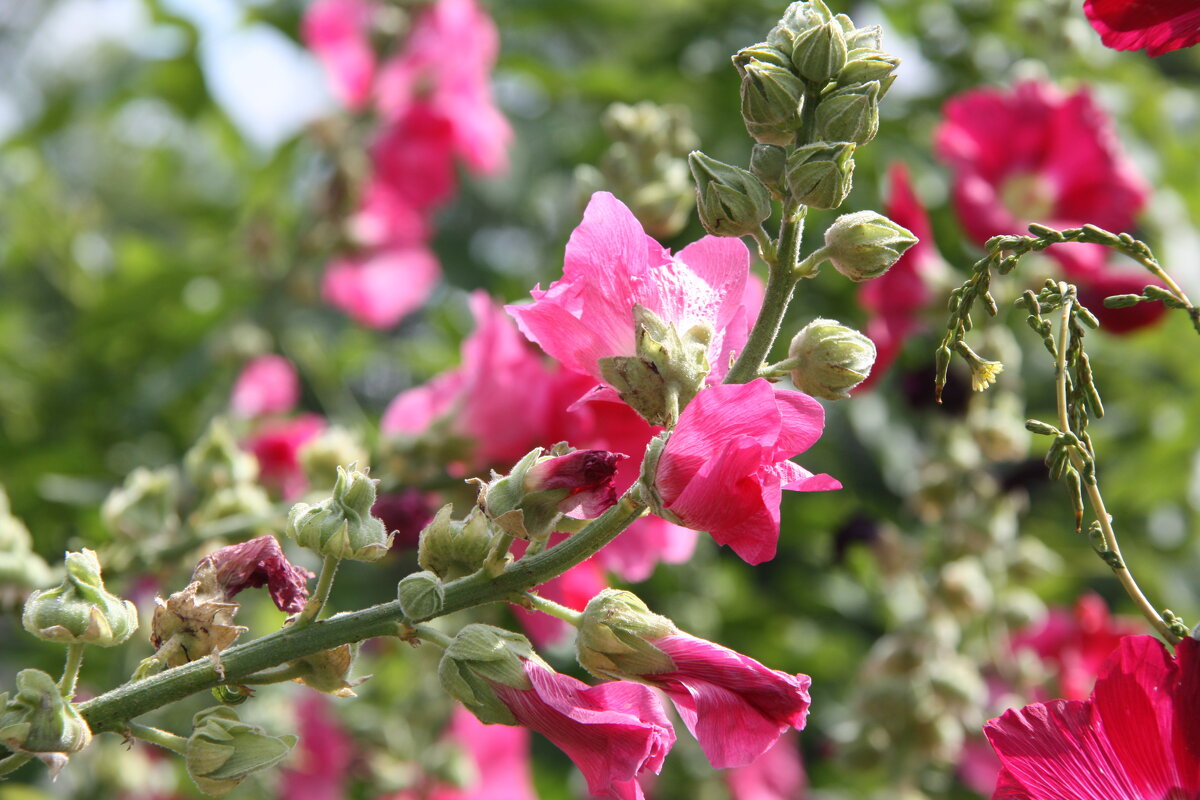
(428, 633)
(70, 676)
(320, 595)
(112, 710)
(281, 674)
(164, 739)
(548, 606)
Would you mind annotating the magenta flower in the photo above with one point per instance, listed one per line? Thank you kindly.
(1159, 26)
(613, 732)
(259, 562)
(1137, 737)
(267, 385)
(725, 465)
(586, 474)
(325, 752)
(277, 445)
(336, 32)
(1034, 155)
(611, 265)
(777, 774)
(381, 289)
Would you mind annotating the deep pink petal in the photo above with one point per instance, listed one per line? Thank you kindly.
(336, 31)
(1159, 26)
(384, 287)
(267, 385)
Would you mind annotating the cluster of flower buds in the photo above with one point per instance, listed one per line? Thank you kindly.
(21, 569)
(38, 720)
(223, 751)
(342, 526)
(645, 165)
(224, 476)
(144, 506)
(80, 610)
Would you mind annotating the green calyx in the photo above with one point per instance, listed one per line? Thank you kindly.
(223, 751)
(80, 610)
(480, 657)
(829, 359)
(38, 720)
(453, 549)
(614, 637)
(342, 526)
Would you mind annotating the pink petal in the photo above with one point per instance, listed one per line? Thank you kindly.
(336, 31)
(267, 385)
(381, 289)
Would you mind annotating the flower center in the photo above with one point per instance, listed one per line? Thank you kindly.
(1028, 195)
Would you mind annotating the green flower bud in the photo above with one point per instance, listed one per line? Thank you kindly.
(614, 633)
(730, 200)
(870, 36)
(772, 98)
(327, 670)
(38, 720)
(479, 657)
(768, 163)
(762, 53)
(820, 175)
(830, 359)
(421, 595)
(866, 65)
(144, 506)
(324, 453)
(865, 244)
(223, 751)
(79, 610)
(849, 114)
(451, 549)
(342, 526)
(819, 53)
(215, 461)
(798, 18)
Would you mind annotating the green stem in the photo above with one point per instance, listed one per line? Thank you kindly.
(543, 604)
(66, 684)
(312, 609)
(281, 674)
(428, 633)
(13, 763)
(164, 739)
(110, 710)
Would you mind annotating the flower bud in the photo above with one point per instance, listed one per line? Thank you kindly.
(819, 53)
(731, 201)
(327, 670)
(849, 114)
(820, 175)
(215, 461)
(479, 657)
(21, 569)
(830, 359)
(144, 506)
(321, 455)
(451, 549)
(421, 595)
(342, 526)
(865, 244)
(798, 18)
(771, 102)
(768, 163)
(613, 634)
(763, 53)
(79, 610)
(865, 65)
(39, 721)
(223, 751)
(871, 36)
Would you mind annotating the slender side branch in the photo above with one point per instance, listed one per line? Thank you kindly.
(315, 604)
(164, 739)
(70, 676)
(548, 606)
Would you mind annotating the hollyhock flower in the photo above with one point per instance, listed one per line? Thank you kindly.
(413, 158)
(777, 774)
(1034, 155)
(1136, 737)
(611, 266)
(724, 466)
(381, 288)
(259, 562)
(325, 753)
(500, 755)
(277, 445)
(267, 385)
(1159, 26)
(336, 32)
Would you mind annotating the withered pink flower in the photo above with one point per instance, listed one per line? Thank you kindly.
(586, 474)
(380, 289)
(1136, 737)
(613, 731)
(277, 444)
(612, 265)
(267, 385)
(726, 463)
(336, 31)
(259, 562)
(1159, 26)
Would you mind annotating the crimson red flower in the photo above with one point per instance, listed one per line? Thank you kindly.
(1159, 26)
(277, 445)
(1137, 737)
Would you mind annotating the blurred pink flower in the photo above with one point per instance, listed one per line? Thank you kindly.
(1137, 737)
(277, 444)
(611, 265)
(613, 731)
(383, 287)
(1033, 154)
(725, 465)
(267, 385)
(777, 774)
(1159, 26)
(324, 754)
(336, 32)
(260, 562)
(413, 158)
(500, 755)
(735, 707)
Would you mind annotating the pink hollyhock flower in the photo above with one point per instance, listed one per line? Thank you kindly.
(612, 265)
(267, 385)
(777, 774)
(324, 754)
(336, 31)
(387, 219)
(1159, 26)
(735, 707)
(277, 445)
(413, 158)
(586, 474)
(1136, 737)
(613, 732)
(724, 466)
(259, 562)
(380, 289)
(1034, 155)
(500, 754)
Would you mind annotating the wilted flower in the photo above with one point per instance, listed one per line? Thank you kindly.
(258, 562)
